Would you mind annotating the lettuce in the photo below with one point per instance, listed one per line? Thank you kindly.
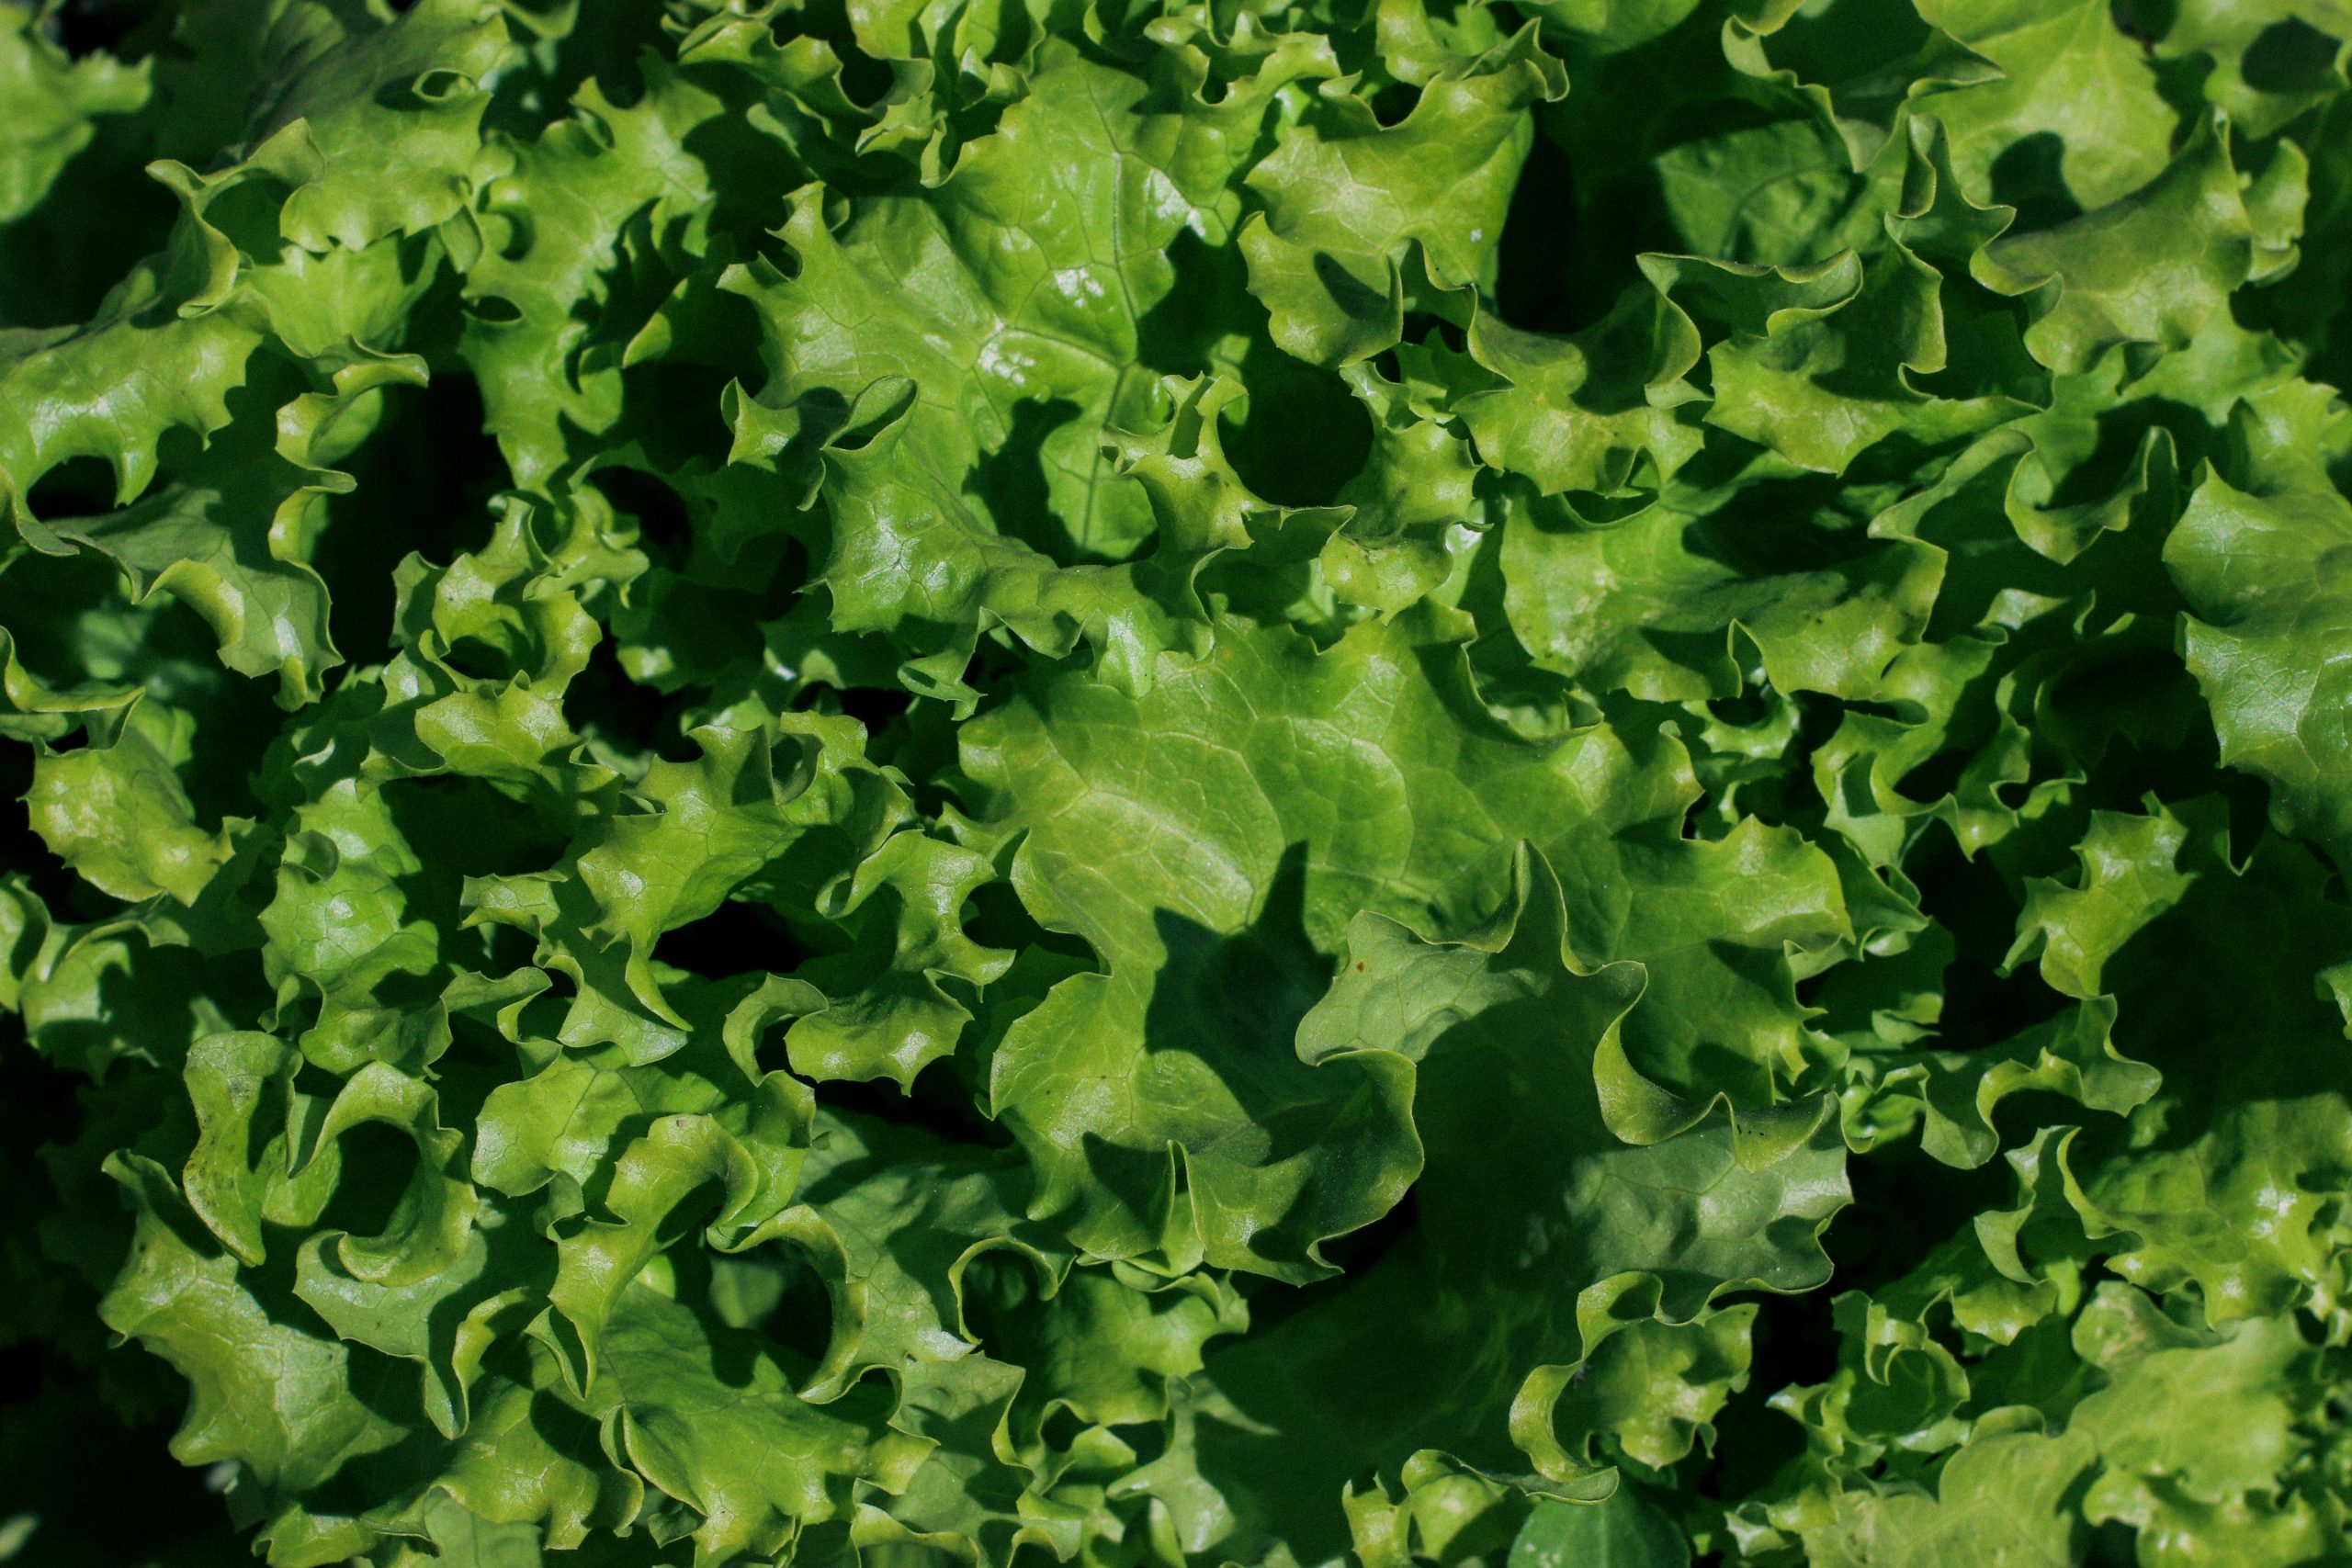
(1498, 783)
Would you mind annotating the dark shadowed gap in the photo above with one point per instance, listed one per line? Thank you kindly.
(607, 39)
(1905, 1205)
(478, 660)
(23, 852)
(378, 1162)
(2114, 1544)
(661, 520)
(1937, 777)
(1984, 1007)
(750, 187)
(1062, 1428)
(1395, 103)
(918, 738)
(1981, 1006)
(1182, 332)
(1972, 901)
(20, 1373)
(1010, 481)
(101, 217)
(1304, 434)
(938, 1104)
(71, 1456)
(873, 706)
(1354, 1254)
(2144, 21)
(1792, 1344)
(864, 78)
(1590, 226)
(923, 744)
(2029, 176)
(1698, 817)
(79, 487)
(776, 1292)
(1532, 261)
(738, 938)
(424, 483)
(673, 405)
(84, 27)
(603, 703)
(2288, 56)
(478, 1062)
(461, 828)
(1360, 1248)
(995, 916)
(1750, 707)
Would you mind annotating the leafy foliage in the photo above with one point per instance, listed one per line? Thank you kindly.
(1509, 783)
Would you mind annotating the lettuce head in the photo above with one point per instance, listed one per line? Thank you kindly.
(1155, 783)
